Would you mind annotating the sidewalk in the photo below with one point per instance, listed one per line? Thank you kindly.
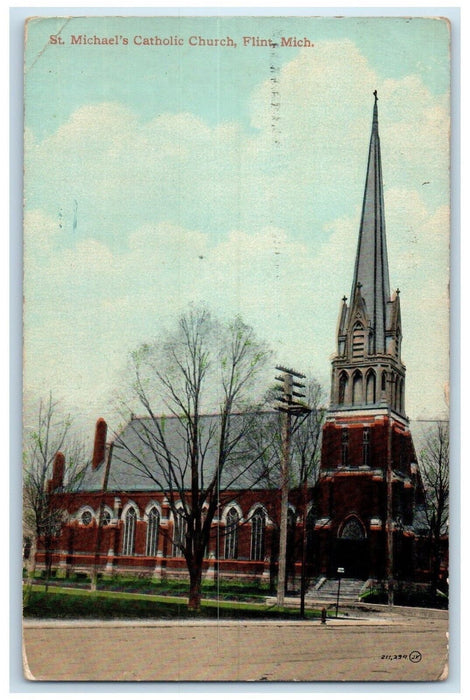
(84, 624)
(352, 607)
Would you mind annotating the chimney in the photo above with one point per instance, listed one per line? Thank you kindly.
(99, 448)
(58, 470)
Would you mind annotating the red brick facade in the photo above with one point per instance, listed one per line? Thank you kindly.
(80, 547)
(353, 486)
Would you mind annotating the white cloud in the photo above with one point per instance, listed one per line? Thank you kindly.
(123, 172)
(171, 211)
(290, 293)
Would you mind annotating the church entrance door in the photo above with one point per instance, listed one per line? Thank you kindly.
(352, 550)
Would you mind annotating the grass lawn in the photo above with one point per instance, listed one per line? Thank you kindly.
(66, 603)
(415, 599)
(223, 590)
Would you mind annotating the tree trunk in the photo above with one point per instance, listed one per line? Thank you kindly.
(435, 562)
(31, 569)
(48, 561)
(94, 579)
(273, 561)
(195, 579)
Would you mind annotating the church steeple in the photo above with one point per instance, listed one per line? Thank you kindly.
(371, 268)
(369, 480)
(367, 369)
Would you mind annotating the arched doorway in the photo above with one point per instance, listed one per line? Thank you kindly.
(352, 552)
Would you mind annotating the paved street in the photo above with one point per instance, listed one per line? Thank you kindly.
(342, 650)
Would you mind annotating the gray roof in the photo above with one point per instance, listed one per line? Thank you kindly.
(149, 452)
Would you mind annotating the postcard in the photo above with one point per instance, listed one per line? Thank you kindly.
(236, 348)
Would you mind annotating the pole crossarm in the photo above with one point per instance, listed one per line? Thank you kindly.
(290, 371)
(288, 402)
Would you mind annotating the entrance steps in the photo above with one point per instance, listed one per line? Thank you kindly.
(327, 589)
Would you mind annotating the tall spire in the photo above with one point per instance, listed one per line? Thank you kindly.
(367, 370)
(371, 268)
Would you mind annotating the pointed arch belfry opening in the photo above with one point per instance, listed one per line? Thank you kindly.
(357, 388)
(384, 382)
(393, 391)
(371, 387)
(343, 388)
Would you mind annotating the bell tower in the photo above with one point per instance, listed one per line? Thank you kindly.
(369, 479)
(367, 369)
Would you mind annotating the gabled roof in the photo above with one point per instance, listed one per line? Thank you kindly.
(148, 452)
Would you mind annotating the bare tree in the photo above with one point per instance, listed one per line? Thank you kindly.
(53, 460)
(434, 463)
(306, 436)
(204, 364)
(305, 440)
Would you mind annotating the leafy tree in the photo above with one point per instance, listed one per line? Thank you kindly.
(203, 365)
(51, 441)
(434, 464)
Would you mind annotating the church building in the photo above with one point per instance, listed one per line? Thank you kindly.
(361, 512)
(369, 480)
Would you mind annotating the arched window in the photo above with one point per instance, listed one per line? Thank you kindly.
(179, 533)
(402, 395)
(344, 446)
(343, 385)
(370, 387)
(384, 380)
(393, 391)
(153, 523)
(258, 524)
(128, 539)
(231, 534)
(352, 529)
(366, 446)
(357, 389)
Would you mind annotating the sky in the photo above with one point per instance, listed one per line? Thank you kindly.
(158, 176)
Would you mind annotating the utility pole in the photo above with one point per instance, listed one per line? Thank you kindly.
(389, 524)
(304, 547)
(288, 405)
